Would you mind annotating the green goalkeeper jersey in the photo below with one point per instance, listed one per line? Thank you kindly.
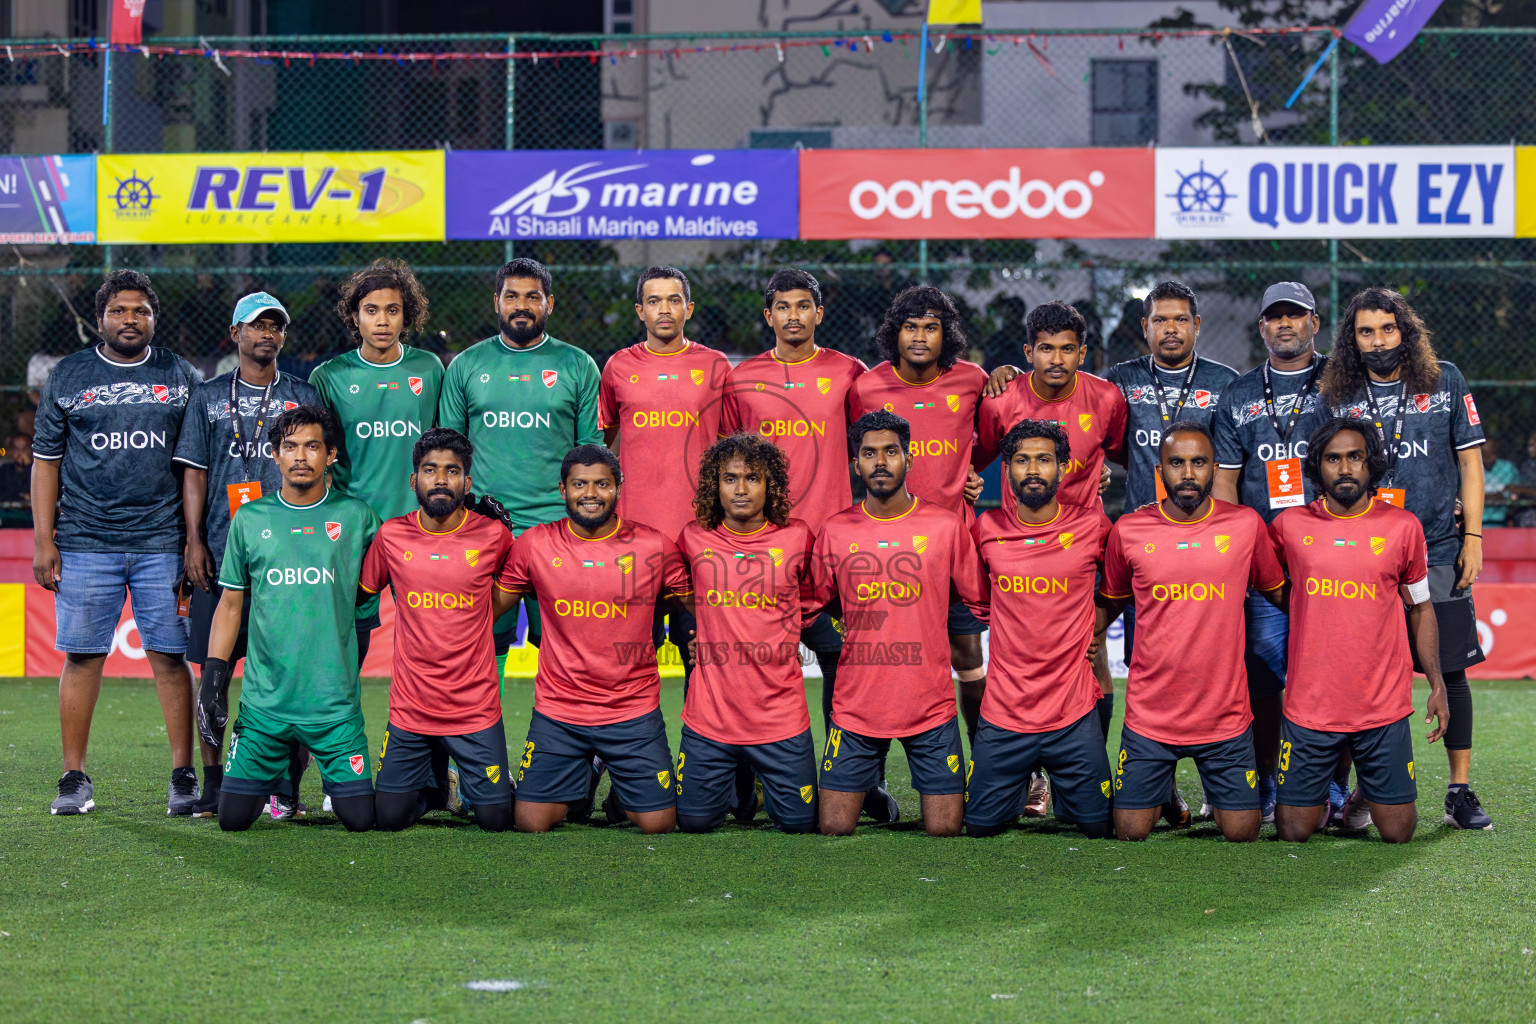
(299, 565)
(523, 409)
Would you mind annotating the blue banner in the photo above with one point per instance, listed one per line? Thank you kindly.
(1383, 28)
(47, 200)
(623, 194)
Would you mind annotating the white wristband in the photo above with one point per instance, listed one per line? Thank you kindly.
(1418, 592)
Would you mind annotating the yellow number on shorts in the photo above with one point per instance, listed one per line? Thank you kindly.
(681, 757)
(1120, 766)
(834, 740)
(1285, 756)
(527, 755)
(384, 746)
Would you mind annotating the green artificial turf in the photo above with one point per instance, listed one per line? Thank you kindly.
(126, 915)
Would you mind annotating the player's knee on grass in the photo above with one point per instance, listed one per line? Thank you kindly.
(838, 814)
(1395, 822)
(1132, 826)
(494, 817)
(654, 823)
(537, 817)
(943, 814)
(698, 823)
(1296, 824)
(355, 812)
(1239, 826)
(239, 811)
(395, 811)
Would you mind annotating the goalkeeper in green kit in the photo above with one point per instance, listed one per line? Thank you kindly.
(296, 556)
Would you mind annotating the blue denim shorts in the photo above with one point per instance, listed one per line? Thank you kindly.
(90, 601)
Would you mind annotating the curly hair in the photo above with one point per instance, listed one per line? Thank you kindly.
(384, 273)
(758, 453)
(1054, 318)
(1375, 453)
(125, 281)
(1045, 430)
(919, 301)
(1345, 376)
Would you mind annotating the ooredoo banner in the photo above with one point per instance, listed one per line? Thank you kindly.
(270, 197)
(1336, 192)
(574, 193)
(976, 193)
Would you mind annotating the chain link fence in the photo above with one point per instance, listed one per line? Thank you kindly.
(1125, 87)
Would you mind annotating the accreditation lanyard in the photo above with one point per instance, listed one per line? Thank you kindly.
(1301, 400)
(234, 418)
(1157, 387)
(1397, 427)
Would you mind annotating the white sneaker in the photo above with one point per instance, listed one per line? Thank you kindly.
(326, 805)
(1357, 812)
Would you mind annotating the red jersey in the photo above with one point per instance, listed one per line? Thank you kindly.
(803, 408)
(1187, 682)
(750, 592)
(1093, 415)
(667, 409)
(1038, 581)
(894, 579)
(943, 417)
(1349, 663)
(597, 664)
(444, 679)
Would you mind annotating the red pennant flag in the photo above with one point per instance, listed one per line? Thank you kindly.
(128, 22)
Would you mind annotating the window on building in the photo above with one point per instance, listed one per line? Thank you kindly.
(619, 17)
(1124, 102)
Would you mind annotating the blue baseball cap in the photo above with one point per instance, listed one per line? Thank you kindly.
(253, 305)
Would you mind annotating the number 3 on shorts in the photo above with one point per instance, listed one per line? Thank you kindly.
(526, 761)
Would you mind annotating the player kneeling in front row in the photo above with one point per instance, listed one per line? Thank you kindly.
(1353, 560)
(298, 552)
(1187, 562)
(598, 580)
(444, 697)
(892, 565)
(750, 565)
(1039, 564)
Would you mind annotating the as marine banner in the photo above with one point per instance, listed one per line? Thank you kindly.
(388, 196)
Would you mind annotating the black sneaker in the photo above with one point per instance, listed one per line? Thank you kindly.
(611, 808)
(749, 794)
(76, 794)
(580, 813)
(181, 792)
(880, 806)
(1462, 810)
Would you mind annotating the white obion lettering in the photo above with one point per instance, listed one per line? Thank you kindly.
(118, 440)
(515, 419)
(1294, 450)
(252, 450)
(292, 577)
(387, 428)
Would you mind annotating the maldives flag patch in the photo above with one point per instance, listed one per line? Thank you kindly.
(550, 376)
(163, 393)
(333, 531)
(358, 763)
(415, 383)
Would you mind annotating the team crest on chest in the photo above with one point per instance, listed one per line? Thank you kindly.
(472, 556)
(697, 376)
(162, 393)
(550, 377)
(953, 401)
(1085, 420)
(415, 383)
(920, 544)
(1066, 540)
(1223, 542)
(1378, 545)
(824, 385)
(333, 531)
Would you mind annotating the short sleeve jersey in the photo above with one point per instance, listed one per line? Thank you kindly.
(207, 442)
(943, 418)
(894, 579)
(1038, 582)
(300, 564)
(750, 592)
(1246, 438)
(597, 664)
(667, 411)
(1092, 414)
(1187, 683)
(383, 409)
(1349, 665)
(1436, 426)
(113, 428)
(445, 681)
(1139, 381)
(802, 407)
(522, 409)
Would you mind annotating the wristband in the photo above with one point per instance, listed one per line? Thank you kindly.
(1477, 535)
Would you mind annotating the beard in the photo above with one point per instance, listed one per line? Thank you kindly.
(1291, 347)
(1034, 500)
(438, 503)
(1346, 491)
(1188, 498)
(589, 523)
(883, 486)
(129, 347)
(522, 335)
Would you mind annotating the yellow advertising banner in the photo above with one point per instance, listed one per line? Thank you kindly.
(160, 198)
(1525, 191)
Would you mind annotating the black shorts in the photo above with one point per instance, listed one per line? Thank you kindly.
(557, 762)
(1456, 617)
(821, 636)
(405, 762)
(1001, 761)
(1383, 763)
(850, 763)
(1229, 773)
(963, 623)
(504, 629)
(200, 624)
(706, 776)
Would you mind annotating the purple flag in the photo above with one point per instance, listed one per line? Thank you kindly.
(1383, 28)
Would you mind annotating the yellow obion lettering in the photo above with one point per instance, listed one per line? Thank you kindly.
(792, 428)
(429, 600)
(665, 418)
(1189, 592)
(1349, 590)
(1032, 584)
(934, 446)
(579, 609)
(889, 588)
(739, 599)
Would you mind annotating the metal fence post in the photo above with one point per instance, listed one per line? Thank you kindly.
(1333, 140)
(106, 134)
(511, 112)
(922, 138)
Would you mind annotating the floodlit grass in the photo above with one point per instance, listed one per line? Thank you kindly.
(127, 915)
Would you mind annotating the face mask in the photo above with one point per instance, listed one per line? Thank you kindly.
(1382, 361)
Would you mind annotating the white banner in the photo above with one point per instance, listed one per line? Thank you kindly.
(1336, 192)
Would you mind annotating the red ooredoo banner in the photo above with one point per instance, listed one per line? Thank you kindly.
(977, 193)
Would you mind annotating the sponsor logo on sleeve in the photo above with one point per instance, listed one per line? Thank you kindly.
(1472, 416)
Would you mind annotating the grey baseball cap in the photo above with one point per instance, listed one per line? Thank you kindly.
(1294, 292)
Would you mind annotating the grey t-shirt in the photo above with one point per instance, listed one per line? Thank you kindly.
(1144, 418)
(1246, 437)
(113, 427)
(1438, 425)
(208, 442)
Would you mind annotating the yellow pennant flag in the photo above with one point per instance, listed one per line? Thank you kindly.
(954, 12)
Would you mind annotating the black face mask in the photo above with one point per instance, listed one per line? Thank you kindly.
(1382, 361)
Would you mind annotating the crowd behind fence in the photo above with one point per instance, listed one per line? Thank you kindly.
(1131, 86)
